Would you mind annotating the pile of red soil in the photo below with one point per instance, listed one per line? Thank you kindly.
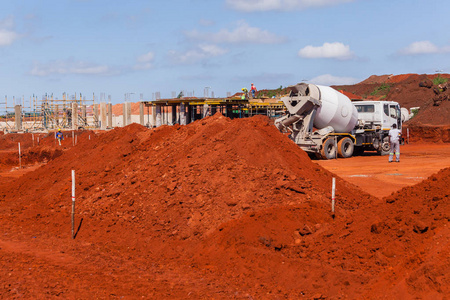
(36, 147)
(225, 167)
(427, 133)
(398, 248)
(219, 209)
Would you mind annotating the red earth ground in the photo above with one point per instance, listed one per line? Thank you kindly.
(220, 209)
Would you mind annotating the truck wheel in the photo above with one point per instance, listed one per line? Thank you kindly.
(385, 147)
(345, 147)
(328, 149)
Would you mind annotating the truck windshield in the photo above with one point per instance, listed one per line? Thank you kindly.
(365, 108)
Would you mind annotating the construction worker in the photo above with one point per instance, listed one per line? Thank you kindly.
(245, 94)
(253, 90)
(59, 136)
(394, 140)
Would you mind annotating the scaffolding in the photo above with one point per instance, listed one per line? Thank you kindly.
(49, 113)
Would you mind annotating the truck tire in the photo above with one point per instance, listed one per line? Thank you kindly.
(328, 149)
(345, 147)
(385, 147)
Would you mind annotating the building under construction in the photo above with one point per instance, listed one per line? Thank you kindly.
(51, 114)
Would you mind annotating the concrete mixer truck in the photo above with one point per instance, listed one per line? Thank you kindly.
(327, 124)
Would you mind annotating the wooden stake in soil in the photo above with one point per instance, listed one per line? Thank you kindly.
(20, 158)
(73, 138)
(32, 136)
(333, 193)
(73, 203)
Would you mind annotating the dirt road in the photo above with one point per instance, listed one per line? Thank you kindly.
(373, 173)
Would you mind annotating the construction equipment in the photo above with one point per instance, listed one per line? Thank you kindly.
(327, 124)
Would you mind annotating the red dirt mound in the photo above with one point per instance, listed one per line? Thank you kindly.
(226, 167)
(427, 133)
(42, 149)
(430, 114)
(398, 248)
(145, 198)
(10, 141)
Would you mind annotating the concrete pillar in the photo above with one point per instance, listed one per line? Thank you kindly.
(96, 116)
(182, 114)
(74, 116)
(103, 115)
(110, 118)
(128, 109)
(83, 115)
(165, 116)
(153, 116)
(57, 115)
(18, 116)
(124, 114)
(141, 113)
(205, 110)
(158, 115)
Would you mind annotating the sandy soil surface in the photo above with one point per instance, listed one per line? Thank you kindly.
(373, 174)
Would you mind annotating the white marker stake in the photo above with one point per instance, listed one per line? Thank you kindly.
(333, 193)
(20, 158)
(407, 135)
(32, 136)
(73, 203)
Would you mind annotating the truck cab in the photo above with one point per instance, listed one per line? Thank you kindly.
(378, 114)
(375, 119)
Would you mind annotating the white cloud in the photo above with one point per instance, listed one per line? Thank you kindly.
(69, 67)
(327, 50)
(200, 53)
(423, 47)
(280, 5)
(7, 34)
(206, 23)
(328, 79)
(145, 61)
(243, 33)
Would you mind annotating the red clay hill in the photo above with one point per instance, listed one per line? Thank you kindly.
(429, 92)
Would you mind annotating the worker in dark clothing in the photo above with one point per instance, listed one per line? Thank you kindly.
(59, 136)
(394, 140)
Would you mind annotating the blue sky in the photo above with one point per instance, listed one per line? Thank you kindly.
(142, 47)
